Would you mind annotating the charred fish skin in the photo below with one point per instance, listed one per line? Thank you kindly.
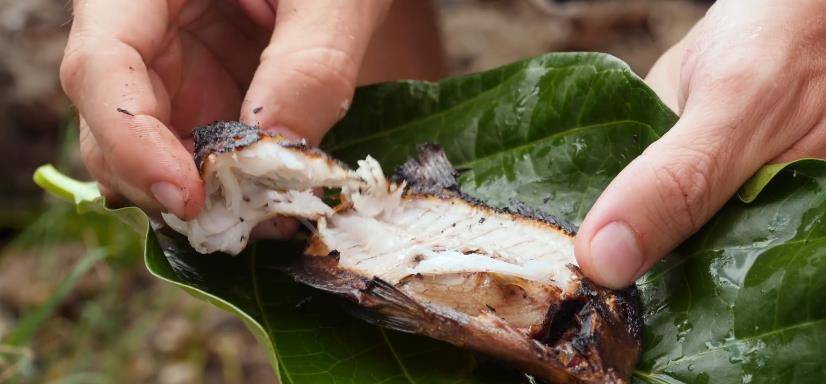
(232, 136)
(588, 334)
(221, 137)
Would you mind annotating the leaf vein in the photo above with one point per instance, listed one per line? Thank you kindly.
(553, 136)
(257, 293)
(396, 356)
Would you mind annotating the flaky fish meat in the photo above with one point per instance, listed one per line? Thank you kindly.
(251, 177)
(415, 254)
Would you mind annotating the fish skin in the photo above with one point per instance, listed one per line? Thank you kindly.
(230, 136)
(221, 137)
(596, 352)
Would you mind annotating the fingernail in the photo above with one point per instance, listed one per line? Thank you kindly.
(169, 196)
(282, 130)
(616, 255)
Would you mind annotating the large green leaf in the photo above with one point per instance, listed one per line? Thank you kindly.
(550, 131)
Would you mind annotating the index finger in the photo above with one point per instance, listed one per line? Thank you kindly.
(104, 72)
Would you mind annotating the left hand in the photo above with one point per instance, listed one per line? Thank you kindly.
(749, 82)
(143, 73)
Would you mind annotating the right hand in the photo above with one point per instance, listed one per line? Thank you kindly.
(144, 73)
(748, 82)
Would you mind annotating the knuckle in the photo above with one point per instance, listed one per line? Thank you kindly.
(71, 67)
(732, 80)
(90, 154)
(735, 66)
(684, 188)
(326, 67)
(747, 73)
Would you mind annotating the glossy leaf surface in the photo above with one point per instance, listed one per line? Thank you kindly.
(739, 302)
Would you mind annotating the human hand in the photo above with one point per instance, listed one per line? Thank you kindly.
(748, 81)
(144, 73)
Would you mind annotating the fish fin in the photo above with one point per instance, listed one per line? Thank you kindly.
(373, 300)
(429, 172)
(391, 308)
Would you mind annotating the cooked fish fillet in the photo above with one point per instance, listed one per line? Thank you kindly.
(251, 177)
(416, 254)
(434, 261)
(392, 237)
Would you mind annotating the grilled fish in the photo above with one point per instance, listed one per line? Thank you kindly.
(416, 254)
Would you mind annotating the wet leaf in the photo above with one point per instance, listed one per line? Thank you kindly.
(738, 302)
(742, 301)
(550, 131)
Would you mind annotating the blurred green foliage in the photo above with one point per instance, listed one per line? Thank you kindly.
(77, 305)
(68, 247)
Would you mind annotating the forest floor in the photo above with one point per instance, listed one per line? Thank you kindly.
(68, 315)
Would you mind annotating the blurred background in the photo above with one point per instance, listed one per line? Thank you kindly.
(76, 303)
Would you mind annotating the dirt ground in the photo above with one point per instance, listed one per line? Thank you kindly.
(119, 322)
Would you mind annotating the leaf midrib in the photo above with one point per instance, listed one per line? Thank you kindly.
(564, 132)
(259, 303)
(396, 356)
(737, 342)
(649, 376)
(686, 258)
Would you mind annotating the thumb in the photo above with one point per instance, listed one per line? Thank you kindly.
(307, 74)
(665, 195)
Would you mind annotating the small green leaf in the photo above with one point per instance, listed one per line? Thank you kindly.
(86, 197)
(83, 194)
(749, 191)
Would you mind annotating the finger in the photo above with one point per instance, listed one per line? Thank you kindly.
(407, 45)
(105, 75)
(91, 155)
(110, 186)
(667, 193)
(112, 199)
(221, 30)
(262, 12)
(664, 76)
(95, 164)
(307, 74)
(207, 91)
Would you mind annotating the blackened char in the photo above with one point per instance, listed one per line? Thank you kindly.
(228, 136)
(222, 136)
